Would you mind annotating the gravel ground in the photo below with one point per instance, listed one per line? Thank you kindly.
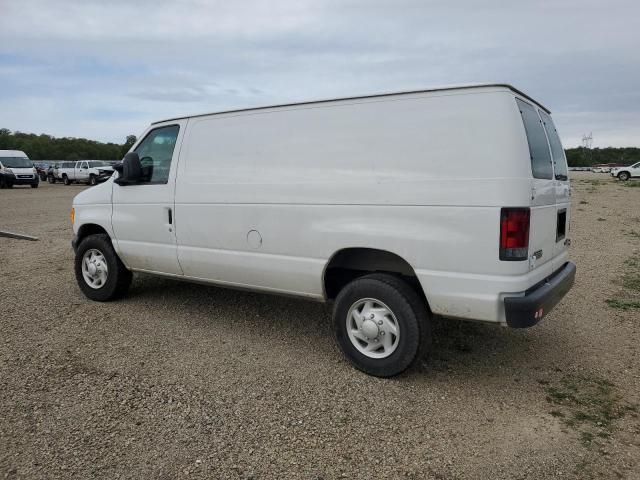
(182, 380)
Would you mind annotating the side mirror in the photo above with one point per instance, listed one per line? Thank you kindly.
(129, 171)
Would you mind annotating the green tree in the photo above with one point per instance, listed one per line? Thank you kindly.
(131, 139)
(46, 147)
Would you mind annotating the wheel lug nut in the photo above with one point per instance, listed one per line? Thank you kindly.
(372, 316)
(381, 333)
(379, 322)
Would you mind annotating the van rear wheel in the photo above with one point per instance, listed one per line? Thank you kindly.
(100, 274)
(624, 176)
(381, 324)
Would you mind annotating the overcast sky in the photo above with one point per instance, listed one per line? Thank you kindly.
(105, 69)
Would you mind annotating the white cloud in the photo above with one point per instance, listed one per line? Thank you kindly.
(106, 69)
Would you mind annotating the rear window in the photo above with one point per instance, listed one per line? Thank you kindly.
(559, 159)
(541, 166)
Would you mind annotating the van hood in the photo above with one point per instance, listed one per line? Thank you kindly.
(100, 194)
(22, 171)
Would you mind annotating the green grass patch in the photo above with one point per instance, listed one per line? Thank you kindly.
(590, 405)
(629, 296)
(623, 304)
(632, 184)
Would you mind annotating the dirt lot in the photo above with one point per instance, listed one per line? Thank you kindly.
(182, 380)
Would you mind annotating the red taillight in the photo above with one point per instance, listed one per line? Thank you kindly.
(514, 233)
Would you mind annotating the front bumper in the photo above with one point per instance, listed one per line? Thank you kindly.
(26, 181)
(74, 242)
(8, 178)
(103, 176)
(529, 309)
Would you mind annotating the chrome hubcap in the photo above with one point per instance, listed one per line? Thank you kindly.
(94, 268)
(373, 328)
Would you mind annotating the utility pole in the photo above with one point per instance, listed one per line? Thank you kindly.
(587, 142)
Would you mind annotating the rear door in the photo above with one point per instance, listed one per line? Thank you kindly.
(561, 183)
(542, 230)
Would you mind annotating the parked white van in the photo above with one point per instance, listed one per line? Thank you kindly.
(396, 207)
(17, 169)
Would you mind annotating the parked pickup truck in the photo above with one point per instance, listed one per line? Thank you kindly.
(91, 172)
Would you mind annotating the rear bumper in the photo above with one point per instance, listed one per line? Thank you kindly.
(529, 309)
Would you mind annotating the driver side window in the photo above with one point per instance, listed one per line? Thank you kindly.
(155, 152)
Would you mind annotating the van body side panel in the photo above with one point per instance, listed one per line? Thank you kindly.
(421, 176)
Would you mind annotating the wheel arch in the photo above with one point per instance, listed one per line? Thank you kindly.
(90, 229)
(350, 263)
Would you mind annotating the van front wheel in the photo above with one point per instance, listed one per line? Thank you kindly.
(381, 324)
(100, 274)
(624, 176)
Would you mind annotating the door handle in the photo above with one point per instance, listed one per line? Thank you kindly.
(170, 213)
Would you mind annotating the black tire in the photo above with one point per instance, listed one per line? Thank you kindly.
(118, 277)
(34, 185)
(3, 184)
(624, 176)
(51, 179)
(66, 180)
(410, 311)
(93, 180)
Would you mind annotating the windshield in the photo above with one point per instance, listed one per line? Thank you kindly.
(99, 163)
(16, 162)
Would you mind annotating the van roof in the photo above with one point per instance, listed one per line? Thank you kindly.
(388, 94)
(12, 153)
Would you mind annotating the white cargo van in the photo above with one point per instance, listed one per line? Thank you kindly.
(17, 169)
(396, 207)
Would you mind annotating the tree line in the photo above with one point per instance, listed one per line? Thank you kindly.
(585, 157)
(46, 147)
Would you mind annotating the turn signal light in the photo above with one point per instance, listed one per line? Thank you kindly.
(73, 215)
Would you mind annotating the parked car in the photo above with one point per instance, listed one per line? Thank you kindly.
(51, 173)
(41, 169)
(91, 172)
(395, 208)
(625, 173)
(17, 169)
